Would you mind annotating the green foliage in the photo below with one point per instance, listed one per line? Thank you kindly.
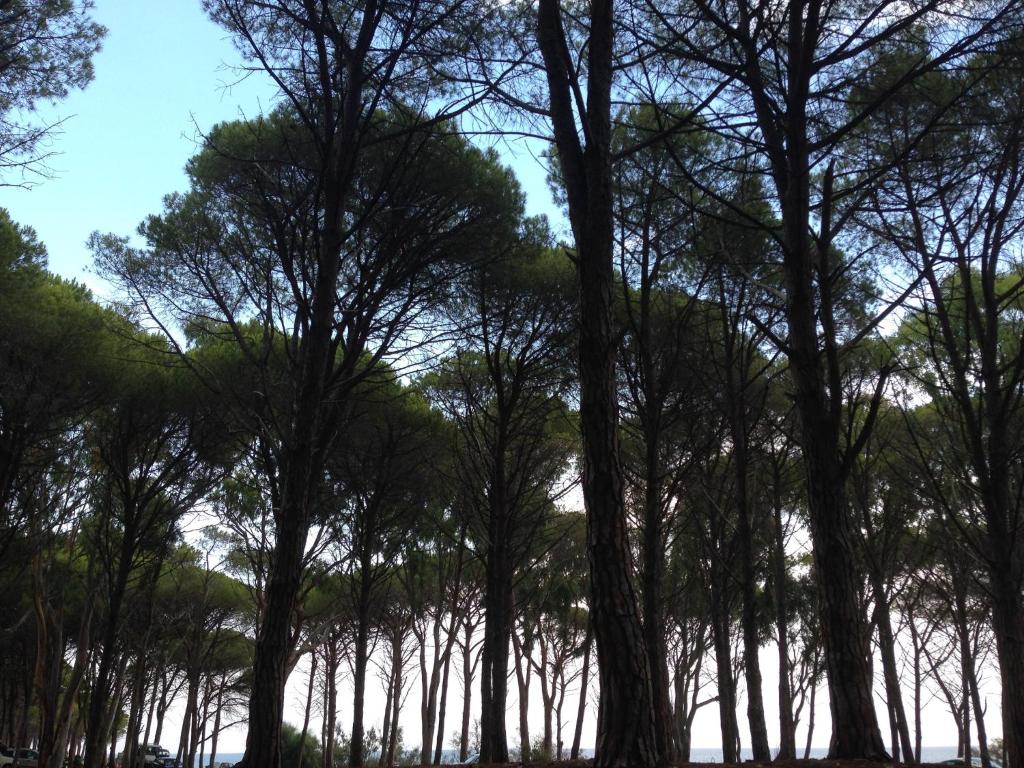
(48, 52)
(312, 752)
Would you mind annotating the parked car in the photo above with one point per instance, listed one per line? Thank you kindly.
(974, 761)
(152, 756)
(27, 758)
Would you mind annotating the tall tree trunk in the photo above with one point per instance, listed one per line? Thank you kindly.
(855, 731)
(626, 717)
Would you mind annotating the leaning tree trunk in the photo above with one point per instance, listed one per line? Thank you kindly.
(626, 731)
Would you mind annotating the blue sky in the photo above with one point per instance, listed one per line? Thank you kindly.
(164, 76)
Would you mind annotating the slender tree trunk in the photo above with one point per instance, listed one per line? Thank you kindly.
(309, 708)
(396, 704)
(362, 654)
(810, 721)
(332, 662)
(497, 633)
(467, 691)
(547, 697)
(101, 689)
(915, 639)
(443, 704)
(523, 679)
(748, 615)
(651, 593)
(584, 680)
(131, 740)
(385, 731)
(558, 711)
(972, 697)
(150, 708)
(216, 720)
(187, 720)
(893, 693)
(787, 726)
(726, 689)
(162, 704)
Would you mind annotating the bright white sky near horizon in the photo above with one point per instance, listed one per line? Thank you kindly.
(163, 77)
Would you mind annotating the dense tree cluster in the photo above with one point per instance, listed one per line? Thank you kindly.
(349, 396)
